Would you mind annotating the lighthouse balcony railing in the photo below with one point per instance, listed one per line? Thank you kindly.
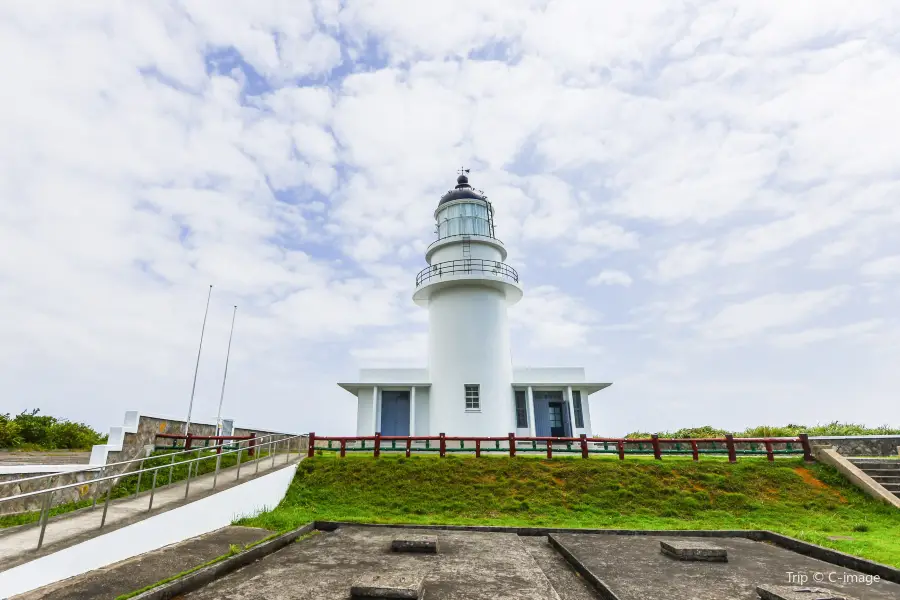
(467, 266)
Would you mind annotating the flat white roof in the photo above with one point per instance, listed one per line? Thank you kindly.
(591, 387)
(354, 387)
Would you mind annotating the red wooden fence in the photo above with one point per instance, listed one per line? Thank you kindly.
(512, 445)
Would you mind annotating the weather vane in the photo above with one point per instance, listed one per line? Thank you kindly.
(463, 170)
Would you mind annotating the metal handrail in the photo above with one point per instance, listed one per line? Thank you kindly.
(123, 462)
(466, 265)
(45, 509)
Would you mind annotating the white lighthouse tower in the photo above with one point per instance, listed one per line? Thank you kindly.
(470, 387)
(467, 287)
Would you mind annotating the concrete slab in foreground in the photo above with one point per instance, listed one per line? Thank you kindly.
(631, 567)
(470, 565)
(146, 569)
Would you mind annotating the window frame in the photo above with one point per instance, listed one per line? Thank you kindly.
(472, 402)
(578, 409)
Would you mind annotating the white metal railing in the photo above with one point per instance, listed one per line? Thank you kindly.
(91, 468)
(272, 445)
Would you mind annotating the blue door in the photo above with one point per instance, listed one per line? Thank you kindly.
(550, 419)
(394, 413)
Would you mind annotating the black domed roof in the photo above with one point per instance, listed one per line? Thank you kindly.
(462, 191)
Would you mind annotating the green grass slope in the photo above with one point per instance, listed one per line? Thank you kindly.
(809, 502)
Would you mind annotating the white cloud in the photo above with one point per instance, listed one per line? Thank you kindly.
(684, 260)
(887, 266)
(739, 158)
(772, 311)
(611, 277)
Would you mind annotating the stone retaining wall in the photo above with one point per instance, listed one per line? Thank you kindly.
(875, 445)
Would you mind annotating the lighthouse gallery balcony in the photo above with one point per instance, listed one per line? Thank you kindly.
(467, 266)
(469, 271)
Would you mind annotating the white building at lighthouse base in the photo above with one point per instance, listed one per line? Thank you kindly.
(543, 402)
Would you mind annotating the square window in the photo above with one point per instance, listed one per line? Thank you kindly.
(473, 402)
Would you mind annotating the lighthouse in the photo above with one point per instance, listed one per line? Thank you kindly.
(470, 387)
(467, 287)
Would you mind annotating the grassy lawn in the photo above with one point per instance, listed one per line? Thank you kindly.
(128, 484)
(810, 502)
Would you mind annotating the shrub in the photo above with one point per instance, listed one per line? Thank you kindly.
(790, 430)
(66, 434)
(35, 428)
(31, 430)
(9, 432)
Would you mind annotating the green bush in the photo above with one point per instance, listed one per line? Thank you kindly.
(35, 428)
(31, 430)
(10, 434)
(789, 430)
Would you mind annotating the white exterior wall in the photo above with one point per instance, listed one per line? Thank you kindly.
(548, 374)
(393, 375)
(422, 402)
(364, 412)
(469, 344)
(478, 251)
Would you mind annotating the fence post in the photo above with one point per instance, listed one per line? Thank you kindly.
(620, 445)
(657, 453)
(549, 449)
(729, 443)
(807, 451)
(408, 446)
(377, 444)
(695, 450)
(251, 444)
(769, 454)
(584, 446)
(45, 515)
(443, 446)
(512, 445)
(187, 441)
(311, 451)
(477, 448)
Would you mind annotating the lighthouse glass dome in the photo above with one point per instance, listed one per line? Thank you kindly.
(466, 217)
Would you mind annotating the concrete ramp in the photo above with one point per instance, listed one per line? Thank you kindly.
(76, 544)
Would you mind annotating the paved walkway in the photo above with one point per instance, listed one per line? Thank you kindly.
(84, 524)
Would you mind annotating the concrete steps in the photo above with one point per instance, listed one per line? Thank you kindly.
(885, 472)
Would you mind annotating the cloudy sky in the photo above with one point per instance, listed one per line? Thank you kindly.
(701, 197)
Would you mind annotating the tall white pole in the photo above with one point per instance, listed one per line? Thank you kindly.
(225, 375)
(187, 425)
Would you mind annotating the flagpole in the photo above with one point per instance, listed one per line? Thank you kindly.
(187, 426)
(225, 375)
